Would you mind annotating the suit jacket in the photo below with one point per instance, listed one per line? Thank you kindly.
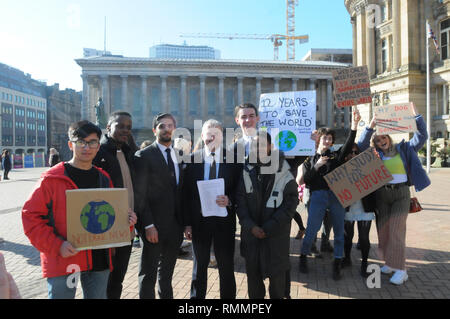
(156, 201)
(230, 172)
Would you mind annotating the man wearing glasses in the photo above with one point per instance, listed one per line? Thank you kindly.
(44, 219)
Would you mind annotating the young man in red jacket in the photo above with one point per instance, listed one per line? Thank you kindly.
(44, 220)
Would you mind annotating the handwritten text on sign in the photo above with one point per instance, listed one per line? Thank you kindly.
(351, 86)
(358, 177)
(393, 119)
(290, 117)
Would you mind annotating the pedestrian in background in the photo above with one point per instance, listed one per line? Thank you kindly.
(53, 159)
(6, 164)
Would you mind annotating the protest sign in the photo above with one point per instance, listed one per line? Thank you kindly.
(394, 119)
(358, 177)
(351, 86)
(97, 218)
(290, 118)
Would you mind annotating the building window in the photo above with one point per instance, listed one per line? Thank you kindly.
(212, 101)
(230, 101)
(155, 101)
(174, 101)
(445, 29)
(384, 55)
(383, 10)
(194, 101)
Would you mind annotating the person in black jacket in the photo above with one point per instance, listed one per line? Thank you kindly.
(115, 156)
(266, 204)
(363, 211)
(322, 198)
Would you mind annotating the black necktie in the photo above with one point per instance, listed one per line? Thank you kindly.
(171, 165)
(212, 168)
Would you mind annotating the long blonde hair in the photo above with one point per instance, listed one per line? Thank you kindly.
(392, 149)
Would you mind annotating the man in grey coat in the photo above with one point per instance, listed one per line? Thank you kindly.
(266, 204)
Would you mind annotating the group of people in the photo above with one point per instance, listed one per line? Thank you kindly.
(260, 190)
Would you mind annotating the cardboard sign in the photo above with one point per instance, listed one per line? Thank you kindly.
(358, 177)
(97, 218)
(290, 118)
(351, 86)
(394, 119)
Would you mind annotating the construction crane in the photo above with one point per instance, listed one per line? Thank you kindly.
(276, 39)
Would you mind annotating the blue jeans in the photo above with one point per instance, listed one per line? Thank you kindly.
(320, 200)
(94, 285)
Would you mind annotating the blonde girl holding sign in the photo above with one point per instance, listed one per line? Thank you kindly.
(393, 199)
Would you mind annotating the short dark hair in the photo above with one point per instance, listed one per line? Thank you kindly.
(157, 119)
(83, 129)
(325, 131)
(116, 114)
(245, 106)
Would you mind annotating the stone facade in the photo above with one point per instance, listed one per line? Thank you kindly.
(63, 108)
(201, 89)
(389, 36)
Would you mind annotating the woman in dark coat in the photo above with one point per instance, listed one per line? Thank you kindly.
(6, 163)
(54, 157)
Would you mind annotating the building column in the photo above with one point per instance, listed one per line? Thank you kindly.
(323, 104)
(203, 107)
(183, 97)
(396, 38)
(221, 97)
(346, 117)
(258, 90)
(360, 37)
(105, 93)
(312, 84)
(330, 116)
(164, 104)
(85, 101)
(240, 92)
(294, 84)
(370, 45)
(276, 84)
(444, 99)
(124, 101)
(145, 122)
(354, 35)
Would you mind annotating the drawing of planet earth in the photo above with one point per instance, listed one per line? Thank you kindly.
(97, 217)
(286, 140)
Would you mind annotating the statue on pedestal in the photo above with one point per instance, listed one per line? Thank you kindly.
(100, 118)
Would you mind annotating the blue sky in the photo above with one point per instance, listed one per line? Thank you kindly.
(43, 37)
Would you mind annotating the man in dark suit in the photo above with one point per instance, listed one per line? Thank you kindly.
(206, 164)
(158, 200)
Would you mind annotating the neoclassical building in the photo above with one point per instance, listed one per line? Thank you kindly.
(389, 36)
(201, 89)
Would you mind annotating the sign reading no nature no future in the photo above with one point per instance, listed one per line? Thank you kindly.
(358, 177)
(351, 86)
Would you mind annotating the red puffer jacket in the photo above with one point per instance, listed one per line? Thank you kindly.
(44, 222)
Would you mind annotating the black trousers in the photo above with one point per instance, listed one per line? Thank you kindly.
(256, 287)
(223, 239)
(363, 233)
(158, 263)
(120, 265)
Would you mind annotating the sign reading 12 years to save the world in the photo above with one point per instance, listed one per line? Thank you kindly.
(290, 118)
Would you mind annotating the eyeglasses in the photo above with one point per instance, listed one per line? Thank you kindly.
(354, 152)
(83, 143)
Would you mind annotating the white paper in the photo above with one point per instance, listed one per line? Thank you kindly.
(208, 191)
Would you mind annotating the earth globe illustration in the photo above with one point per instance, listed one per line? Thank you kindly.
(286, 140)
(97, 217)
